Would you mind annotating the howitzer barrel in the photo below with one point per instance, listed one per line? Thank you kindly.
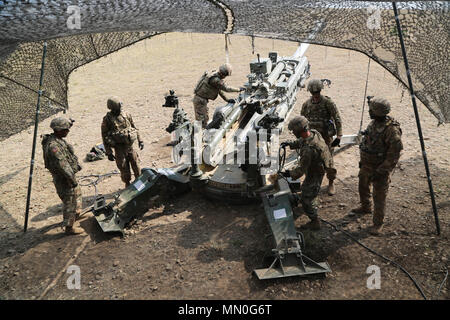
(300, 50)
(218, 136)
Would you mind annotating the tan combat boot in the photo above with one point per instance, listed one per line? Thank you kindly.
(314, 224)
(376, 229)
(331, 190)
(361, 210)
(70, 230)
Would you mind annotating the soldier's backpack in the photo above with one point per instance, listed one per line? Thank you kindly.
(121, 136)
(200, 82)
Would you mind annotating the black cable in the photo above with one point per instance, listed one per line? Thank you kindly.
(380, 255)
(99, 177)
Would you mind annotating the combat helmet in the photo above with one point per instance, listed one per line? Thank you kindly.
(226, 69)
(60, 123)
(315, 85)
(113, 103)
(299, 122)
(379, 106)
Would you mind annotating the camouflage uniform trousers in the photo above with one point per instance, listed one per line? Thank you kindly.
(310, 191)
(126, 156)
(201, 110)
(331, 172)
(70, 197)
(368, 176)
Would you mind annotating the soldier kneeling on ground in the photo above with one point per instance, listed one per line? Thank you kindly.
(61, 161)
(379, 153)
(315, 160)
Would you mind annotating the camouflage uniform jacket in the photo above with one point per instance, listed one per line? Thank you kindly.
(59, 158)
(382, 144)
(119, 130)
(315, 156)
(210, 85)
(318, 114)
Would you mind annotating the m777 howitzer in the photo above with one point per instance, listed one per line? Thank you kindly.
(232, 160)
(241, 144)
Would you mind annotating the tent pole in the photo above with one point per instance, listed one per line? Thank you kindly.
(36, 122)
(416, 113)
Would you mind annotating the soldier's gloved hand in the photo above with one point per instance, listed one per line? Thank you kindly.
(231, 101)
(141, 145)
(286, 174)
(111, 157)
(336, 142)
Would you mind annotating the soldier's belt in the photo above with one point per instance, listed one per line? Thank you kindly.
(316, 124)
(373, 153)
(201, 96)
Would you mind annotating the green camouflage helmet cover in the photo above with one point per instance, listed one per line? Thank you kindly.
(226, 69)
(113, 103)
(315, 85)
(379, 106)
(60, 123)
(299, 122)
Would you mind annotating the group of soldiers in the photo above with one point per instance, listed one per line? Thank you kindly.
(119, 135)
(379, 153)
(318, 123)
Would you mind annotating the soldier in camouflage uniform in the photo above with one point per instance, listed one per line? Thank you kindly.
(61, 161)
(209, 87)
(322, 112)
(379, 153)
(315, 158)
(120, 133)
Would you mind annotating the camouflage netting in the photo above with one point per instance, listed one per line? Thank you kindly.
(107, 26)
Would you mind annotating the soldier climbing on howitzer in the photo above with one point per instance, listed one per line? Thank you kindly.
(61, 161)
(379, 154)
(324, 117)
(210, 85)
(120, 133)
(315, 160)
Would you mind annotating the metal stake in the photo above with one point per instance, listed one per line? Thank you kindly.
(36, 122)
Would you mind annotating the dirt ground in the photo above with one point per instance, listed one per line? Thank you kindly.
(192, 248)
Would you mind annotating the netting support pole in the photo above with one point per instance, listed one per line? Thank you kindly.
(36, 123)
(416, 113)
